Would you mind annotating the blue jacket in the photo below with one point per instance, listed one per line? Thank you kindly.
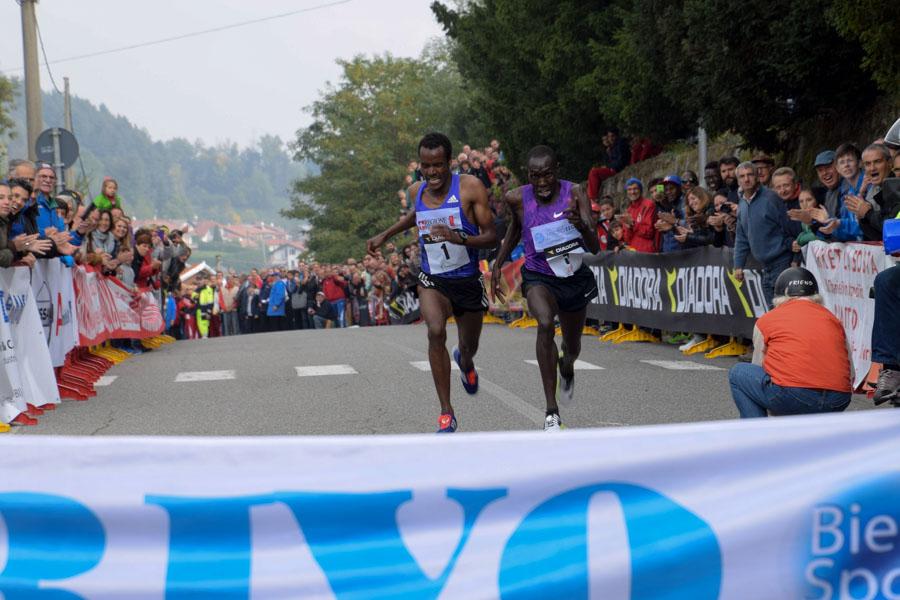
(762, 230)
(277, 298)
(171, 310)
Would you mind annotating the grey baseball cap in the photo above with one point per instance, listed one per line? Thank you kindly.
(824, 158)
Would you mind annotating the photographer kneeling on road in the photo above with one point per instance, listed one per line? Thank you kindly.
(802, 362)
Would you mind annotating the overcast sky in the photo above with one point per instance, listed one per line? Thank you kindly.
(236, 84)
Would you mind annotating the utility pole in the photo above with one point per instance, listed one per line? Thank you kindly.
(67, 117)
(702, 145)
(34, 117)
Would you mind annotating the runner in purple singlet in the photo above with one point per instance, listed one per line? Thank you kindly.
(553, 217)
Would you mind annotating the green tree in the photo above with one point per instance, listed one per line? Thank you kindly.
(872, 24)
(364, 131)
(7, 95)
(530, 71)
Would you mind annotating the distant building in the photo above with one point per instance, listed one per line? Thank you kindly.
(286, 255)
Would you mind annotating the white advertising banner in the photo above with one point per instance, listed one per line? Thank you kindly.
(769, 509)
(27, 374)
(55, 297)
(846, 274)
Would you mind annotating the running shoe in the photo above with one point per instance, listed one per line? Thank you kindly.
(888, 387)
(565, 387)
(552, 424)
(447, 423)
(469, 378)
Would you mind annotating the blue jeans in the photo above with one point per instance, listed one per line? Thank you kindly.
(770, 274)
(755, 394)
(886, 326)
(339, 306)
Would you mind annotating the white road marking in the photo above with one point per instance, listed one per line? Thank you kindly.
(580, 365)
(320, 370)
(105, 380)
(513, 402)
(189, 376)
(424, 365)
(681, 365)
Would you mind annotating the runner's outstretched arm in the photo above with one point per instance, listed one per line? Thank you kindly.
(510, 241)
(405, 222)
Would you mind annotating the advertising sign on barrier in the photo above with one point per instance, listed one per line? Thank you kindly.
(26, 374)
(694, 290)
(846, 274)
(768, 509)
(52, 284)
(107, 309)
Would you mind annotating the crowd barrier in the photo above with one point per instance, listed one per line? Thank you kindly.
(799, 507)
(54, 317)
(692, 290)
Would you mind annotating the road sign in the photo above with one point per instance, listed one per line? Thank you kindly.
(68, 147)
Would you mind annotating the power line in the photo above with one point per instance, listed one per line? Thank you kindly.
(195, 33)
(37, 26)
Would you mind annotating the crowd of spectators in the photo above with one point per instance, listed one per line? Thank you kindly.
(40, 222)
(757, 207)
(372, 291)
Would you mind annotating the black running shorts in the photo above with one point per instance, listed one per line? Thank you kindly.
(466, 294)
(571, 293)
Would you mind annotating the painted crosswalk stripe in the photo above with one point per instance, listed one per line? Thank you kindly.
(105, 380)
(190, 376)
(682, 365)
(320, 370)
(580, 365)
(424, 365)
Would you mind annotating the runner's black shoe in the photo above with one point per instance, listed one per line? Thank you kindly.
(565, 386)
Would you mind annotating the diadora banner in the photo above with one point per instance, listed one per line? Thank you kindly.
(694, 290)
(768, 509)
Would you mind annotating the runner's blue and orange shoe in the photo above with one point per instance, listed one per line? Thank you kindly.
(469, 378)
(447, 423)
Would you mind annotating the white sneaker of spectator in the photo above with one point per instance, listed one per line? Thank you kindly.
(695, 339)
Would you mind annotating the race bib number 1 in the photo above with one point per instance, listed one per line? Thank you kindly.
(444, 256)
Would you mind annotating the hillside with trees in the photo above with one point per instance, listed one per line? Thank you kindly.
(173, 179)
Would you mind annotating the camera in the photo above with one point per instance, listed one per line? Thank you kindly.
(725, 208)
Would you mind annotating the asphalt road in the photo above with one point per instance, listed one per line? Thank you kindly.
(378, 391)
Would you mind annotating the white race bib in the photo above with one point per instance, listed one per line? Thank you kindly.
(443, 256)
(561, 244)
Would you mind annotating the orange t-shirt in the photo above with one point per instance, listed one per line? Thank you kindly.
(805, 347)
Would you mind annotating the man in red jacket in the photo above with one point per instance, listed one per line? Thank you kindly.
(335, 288)
(640, 216)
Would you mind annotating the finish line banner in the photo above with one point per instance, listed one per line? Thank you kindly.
(693, 290)
(783, 508)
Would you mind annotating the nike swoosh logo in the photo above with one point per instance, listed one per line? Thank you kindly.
(558, 215)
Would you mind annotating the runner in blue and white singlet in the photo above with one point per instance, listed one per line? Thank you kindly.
(553, 219)
(453, 221)
(441, 257)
